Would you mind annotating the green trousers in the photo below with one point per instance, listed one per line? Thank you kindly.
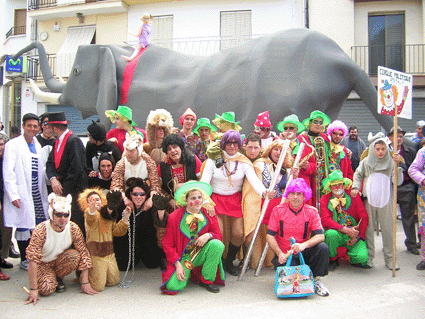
(357, 252)
(209, 258)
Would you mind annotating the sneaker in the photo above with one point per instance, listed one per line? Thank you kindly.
(320, 288)
(390, 267)
(61, 286)
(4, 276)
(24, 264)
(421, 265)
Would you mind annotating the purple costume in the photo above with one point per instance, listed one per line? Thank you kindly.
(146, 36)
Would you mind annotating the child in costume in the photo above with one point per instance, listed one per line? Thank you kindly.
(192, 240)
(144, 35)
(100, 213)
(377, 170)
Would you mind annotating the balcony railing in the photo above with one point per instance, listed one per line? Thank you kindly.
(34, 71)
(405, 58)
(201, 46)
(16, 31)
(38, 4)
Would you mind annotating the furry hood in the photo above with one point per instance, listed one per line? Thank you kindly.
(82, 198)
(158, 118)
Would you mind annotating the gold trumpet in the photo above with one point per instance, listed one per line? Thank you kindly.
(319, 144)
(193, 254)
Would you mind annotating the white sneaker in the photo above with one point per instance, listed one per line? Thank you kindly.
(24, 264)
(320, 289)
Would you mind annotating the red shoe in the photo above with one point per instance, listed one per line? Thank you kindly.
(4, 276)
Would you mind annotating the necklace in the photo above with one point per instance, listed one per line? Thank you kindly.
(228, 173)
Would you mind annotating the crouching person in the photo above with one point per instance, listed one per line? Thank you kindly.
(100, 214)
(301, 221)
(50, 255)
(345, 220)
(192, 242)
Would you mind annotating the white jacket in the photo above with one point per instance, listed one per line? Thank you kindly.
(18, 184)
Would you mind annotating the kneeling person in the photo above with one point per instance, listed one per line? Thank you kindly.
(192, 240)
(345, 220)
(302, 222)
(50, 253)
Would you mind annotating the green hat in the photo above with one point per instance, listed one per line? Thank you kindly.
(227, 116)
(204, 122)
(124, 111)
(293, 119)
(203, 187)
(335, 177)
(316, 114)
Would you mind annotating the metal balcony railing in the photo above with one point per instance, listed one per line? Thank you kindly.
(16, 31)
(38, 4)
(34, 71)
(408, 58)
(201, 46)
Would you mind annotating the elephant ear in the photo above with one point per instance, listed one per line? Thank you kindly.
(107, 96)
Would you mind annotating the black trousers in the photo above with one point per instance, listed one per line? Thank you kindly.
(406, 198)
(316, 257)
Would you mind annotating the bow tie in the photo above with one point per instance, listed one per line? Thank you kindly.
(192, 217)
(336, 201)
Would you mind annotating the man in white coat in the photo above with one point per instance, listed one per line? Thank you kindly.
(25, 192)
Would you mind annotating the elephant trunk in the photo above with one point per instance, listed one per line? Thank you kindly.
(53, 84)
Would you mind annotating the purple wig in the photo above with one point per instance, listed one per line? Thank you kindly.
(231, 136)
(337, 125)
(298, 185)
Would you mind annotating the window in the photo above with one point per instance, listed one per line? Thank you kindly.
(162, 33)
(20, 22)
(235, 28)
(386, 41)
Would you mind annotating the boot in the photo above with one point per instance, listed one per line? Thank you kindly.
(228, 264)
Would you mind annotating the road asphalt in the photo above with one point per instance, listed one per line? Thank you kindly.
(354, 293)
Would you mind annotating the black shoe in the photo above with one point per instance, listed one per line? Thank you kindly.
(365, 266)
(232, 270)
(413, 250)
(61, 286)
(333, 265)
(418, 245)
(421, 265)
(5, 264)
(13, 253)
(210, 287)
(163, 264)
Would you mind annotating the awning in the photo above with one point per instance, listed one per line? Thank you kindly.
(75, 37)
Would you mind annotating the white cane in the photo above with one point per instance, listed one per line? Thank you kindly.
(279, 164)
(266, 247)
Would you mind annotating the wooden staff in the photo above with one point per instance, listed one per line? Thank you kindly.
(279, 164)
(266, 247)
(395, 135)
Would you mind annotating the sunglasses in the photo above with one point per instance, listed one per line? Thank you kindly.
(59, 215)
(317, 122)
(337, 134)
(291, 128)
(138, 194)
(232, 143)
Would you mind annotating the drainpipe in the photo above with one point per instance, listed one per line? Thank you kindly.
(305, 11)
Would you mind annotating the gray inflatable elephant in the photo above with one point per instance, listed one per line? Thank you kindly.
(294, 71)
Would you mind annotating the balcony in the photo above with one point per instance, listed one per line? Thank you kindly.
(408, 58)
(52, 9)
(34, 71)
(16, 31)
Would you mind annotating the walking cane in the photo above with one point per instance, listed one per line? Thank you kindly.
(279, 164)
(266, 247)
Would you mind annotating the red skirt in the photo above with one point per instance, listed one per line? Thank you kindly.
(272, 204)
(229, 205)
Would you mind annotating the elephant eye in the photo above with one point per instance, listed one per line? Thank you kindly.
(76, 71)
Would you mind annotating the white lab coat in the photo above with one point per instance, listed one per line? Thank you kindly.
(18, 184)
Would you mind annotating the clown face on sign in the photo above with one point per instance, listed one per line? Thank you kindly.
(388, 94)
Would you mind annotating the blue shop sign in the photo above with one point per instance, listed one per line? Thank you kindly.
(20, 65)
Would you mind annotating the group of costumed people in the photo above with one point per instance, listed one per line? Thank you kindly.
(188, 200)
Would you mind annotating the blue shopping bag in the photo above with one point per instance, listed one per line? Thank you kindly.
(294, 281)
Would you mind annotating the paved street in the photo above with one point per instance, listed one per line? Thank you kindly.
(354, 293)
